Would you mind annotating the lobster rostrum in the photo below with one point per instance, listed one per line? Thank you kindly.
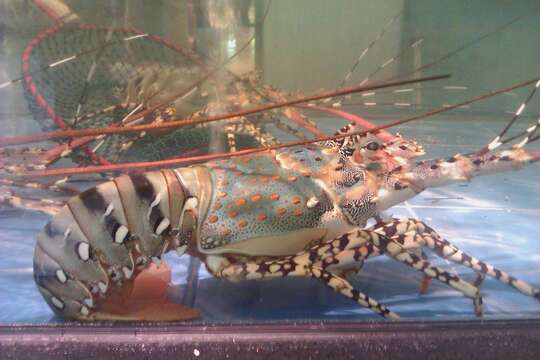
(299, 211)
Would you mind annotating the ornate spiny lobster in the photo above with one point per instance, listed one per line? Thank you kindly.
(292, 212)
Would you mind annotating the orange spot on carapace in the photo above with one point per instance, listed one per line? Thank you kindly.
(281, 211)
(240, 202)
(261, 217)
(242, 223)
(227, 232)
(297, 212)
(256, 197)
(292, 178)
(222, 194)
(212, 219)
(296, 200)
(264, 180)
(217, 206)
(232, 214)
(274, 196)
(275, 177)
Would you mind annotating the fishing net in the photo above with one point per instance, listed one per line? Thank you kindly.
(81, 76)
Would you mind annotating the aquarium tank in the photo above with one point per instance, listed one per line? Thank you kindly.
(242, 178)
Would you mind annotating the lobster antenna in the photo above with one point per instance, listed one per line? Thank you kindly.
(190, 160)
(433, 63)
(528, 133)
(365, 51)
(382, 66)
(402, 104)
(496, 142)
(4, 141)
(537, 136)
(461, 48)
(530, 136)
(413, 45)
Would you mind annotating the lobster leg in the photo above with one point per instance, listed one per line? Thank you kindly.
(358, 245)
(231, 138)
(299, 265)
(414, 233)
(321, 262)
(382, 227)
(243, 126)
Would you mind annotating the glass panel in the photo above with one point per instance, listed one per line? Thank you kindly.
(76, 65)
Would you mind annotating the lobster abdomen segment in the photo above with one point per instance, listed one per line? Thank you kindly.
(105, 236)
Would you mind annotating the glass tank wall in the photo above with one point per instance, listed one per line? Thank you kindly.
(74, 65)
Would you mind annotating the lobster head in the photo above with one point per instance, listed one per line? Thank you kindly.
(376, 155)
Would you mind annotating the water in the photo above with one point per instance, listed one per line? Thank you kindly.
(296, 48)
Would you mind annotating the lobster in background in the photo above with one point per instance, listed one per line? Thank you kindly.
(133, 86)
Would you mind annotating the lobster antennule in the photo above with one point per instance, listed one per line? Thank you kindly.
(405, 183)
(464, 167)
(459, 167)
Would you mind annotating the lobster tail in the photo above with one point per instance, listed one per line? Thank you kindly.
(104, 237)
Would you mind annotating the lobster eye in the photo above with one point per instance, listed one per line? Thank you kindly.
(372, 146)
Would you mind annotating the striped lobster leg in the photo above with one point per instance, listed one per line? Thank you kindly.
(357, 245)
(413, 233)
(300, 265)
(89, 257)
(243, 126)
(323, 260)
